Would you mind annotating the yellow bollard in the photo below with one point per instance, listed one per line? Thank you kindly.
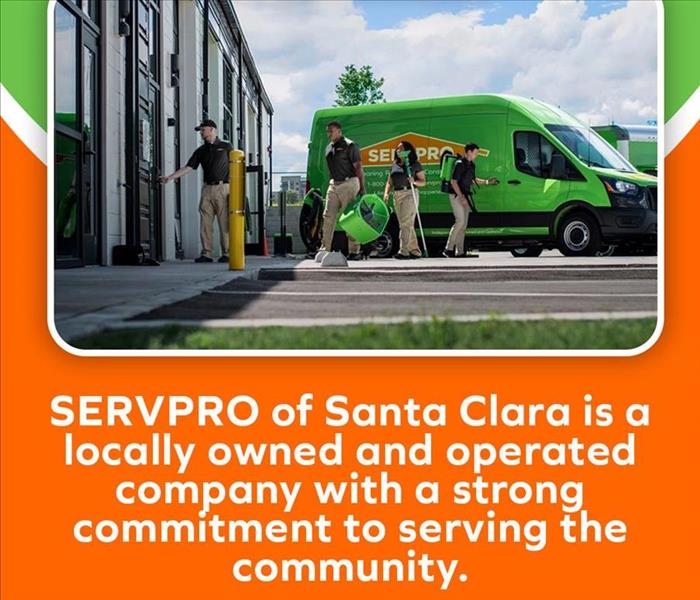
(236, 211)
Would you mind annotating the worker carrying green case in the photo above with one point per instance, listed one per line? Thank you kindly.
(365, 219)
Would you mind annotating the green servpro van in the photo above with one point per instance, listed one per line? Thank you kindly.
(561, 184)
(637, 143)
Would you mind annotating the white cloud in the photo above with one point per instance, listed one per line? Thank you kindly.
(598, 68)
(293, 146)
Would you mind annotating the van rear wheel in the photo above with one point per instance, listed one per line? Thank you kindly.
(383, 246)
(578, 235)
(387, 244)
(531, 252)
(310, 228)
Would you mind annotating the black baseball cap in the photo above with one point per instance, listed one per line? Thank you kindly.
(205, 123)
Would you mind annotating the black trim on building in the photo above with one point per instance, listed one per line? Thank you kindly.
(175, 83)
(245, 55)
(205, 61)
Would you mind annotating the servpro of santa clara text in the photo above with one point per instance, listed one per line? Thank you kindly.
(214, 500)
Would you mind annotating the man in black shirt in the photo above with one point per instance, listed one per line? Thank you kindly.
(461, 199)
(213, 156)
(347, 181)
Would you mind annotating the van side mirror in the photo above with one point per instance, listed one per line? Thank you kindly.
(558, 169)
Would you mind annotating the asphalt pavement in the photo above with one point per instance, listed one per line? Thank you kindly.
(391, 291)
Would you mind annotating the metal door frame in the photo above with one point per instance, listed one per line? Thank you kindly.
(132, 147)
(258, 247)
(86, 151)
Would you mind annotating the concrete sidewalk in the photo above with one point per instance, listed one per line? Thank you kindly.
(90, 299)
(496, 260)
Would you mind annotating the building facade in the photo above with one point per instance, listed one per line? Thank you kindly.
(132, 80)
(293, 183)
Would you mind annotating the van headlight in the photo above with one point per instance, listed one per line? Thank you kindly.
(625, 194)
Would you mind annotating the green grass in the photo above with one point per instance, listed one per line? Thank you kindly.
(436, 334)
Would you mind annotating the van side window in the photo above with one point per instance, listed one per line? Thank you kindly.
(528, 157)
(533, 156)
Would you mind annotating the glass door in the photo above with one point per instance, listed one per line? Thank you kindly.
(76, 174)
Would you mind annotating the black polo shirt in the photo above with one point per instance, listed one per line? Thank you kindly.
(214, 160)
(340, 158)
(399, 177)
(464, 173)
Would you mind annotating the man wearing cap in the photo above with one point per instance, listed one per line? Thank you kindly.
(347, 181)
(213, 156)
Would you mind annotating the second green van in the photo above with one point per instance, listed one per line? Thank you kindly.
(561, 184)
(637, 143)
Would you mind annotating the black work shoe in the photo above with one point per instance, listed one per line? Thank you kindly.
(203, 259)
(448, 253)
(223, 259)
(355, 256)
(399, 256)
(414, 256)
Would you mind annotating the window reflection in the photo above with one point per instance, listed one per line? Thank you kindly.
(66, 185)
(90, 8)
(66, 68)
(153, 44)
(89, 88)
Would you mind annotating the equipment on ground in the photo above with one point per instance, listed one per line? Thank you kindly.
(334, 259)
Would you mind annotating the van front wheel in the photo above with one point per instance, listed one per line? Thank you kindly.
(578, 235)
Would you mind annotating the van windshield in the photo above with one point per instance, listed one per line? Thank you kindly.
(590, 147)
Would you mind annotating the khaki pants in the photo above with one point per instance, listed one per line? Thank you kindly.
(405, 209)
(455, 241)
(213, 203)
(339, 195)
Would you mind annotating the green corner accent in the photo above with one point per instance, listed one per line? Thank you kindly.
(23, 54)
(682, 47)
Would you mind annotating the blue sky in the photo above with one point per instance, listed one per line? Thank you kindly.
(387, 14)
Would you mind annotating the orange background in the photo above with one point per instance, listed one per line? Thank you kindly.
(41, 498)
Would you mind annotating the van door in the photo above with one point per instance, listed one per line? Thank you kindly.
(533, 187)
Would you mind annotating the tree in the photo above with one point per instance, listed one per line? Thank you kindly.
(358, 86)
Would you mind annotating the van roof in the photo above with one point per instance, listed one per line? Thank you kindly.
(535, 109)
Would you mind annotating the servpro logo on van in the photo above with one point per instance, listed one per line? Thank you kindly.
(428, 150)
